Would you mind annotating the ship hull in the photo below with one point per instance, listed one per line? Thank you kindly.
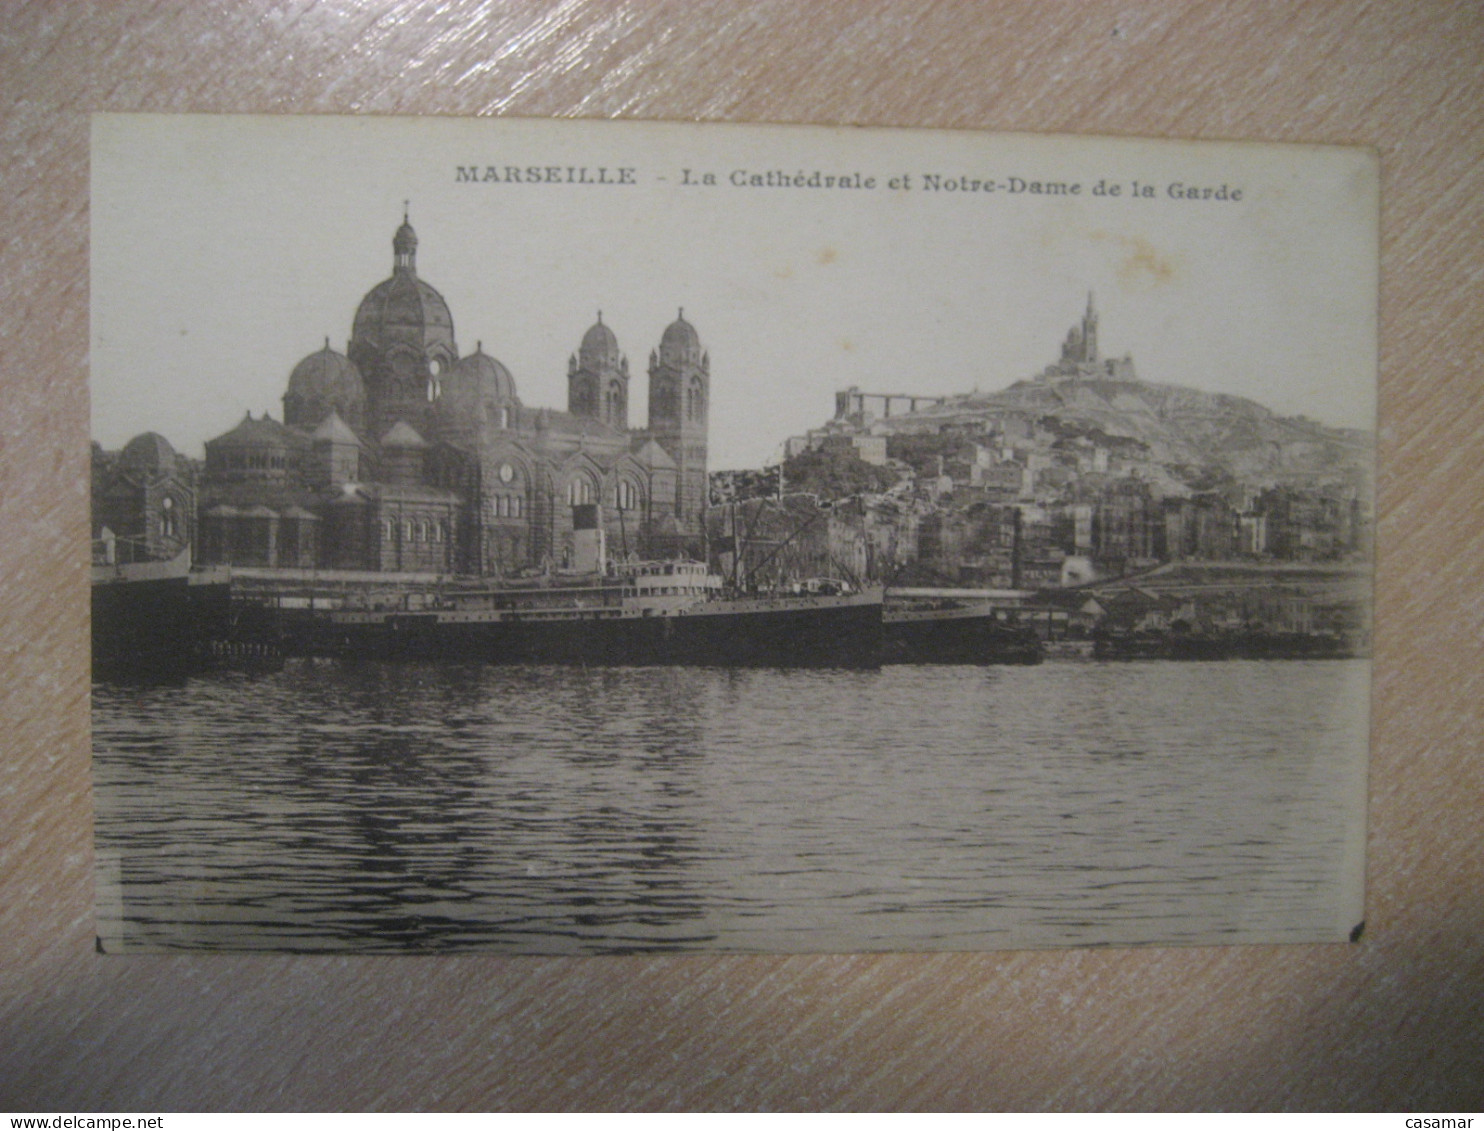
(843, 632)
(144, 626)
(955, 636)
(159, 620)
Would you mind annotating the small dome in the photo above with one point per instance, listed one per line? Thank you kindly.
(482, 372)
(324, 382)
(474, 393)
(329, 375)
(405, 241)
(148, 451)
(599, 347)
(680, 343)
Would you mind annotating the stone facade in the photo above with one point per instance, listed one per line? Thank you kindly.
(401, 454)
(144, 501)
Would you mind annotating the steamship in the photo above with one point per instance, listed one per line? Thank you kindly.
(603, 613)
(671, 612)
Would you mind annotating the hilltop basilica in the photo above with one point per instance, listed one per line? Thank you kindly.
(402, 454)
(1080, 359)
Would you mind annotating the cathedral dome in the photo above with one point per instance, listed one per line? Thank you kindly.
(599, 348)
(680, 344)
(481, 372)
(403, 309)
(475, 390)
(148, 452)
(323, 382)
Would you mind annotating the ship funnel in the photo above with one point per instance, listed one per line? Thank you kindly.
(589, 554)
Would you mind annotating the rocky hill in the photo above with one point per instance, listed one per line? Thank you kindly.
(1185, 430)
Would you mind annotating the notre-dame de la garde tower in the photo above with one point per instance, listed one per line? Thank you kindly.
(404, 454)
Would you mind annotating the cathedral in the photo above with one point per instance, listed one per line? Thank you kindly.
(402, 454)
(1080, 357)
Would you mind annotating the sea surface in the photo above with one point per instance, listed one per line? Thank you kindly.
(338, 806)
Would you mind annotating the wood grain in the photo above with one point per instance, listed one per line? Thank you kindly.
(1395, 1022)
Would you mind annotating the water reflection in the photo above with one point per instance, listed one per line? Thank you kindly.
(561, 810)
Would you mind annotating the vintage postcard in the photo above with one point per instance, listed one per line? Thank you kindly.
(570, 537)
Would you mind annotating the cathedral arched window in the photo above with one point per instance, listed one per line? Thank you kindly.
(167, 518)
(579, 491)
(695, 401)
(626, 496)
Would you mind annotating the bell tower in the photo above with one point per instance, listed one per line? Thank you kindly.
(1090, 333)
(598, 378)
(679, 404)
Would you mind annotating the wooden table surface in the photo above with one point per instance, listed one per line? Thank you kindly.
(1395, 1022)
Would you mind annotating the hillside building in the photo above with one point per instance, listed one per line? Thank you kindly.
(1080, 357)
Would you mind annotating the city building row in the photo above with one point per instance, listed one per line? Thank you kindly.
(1123, 530)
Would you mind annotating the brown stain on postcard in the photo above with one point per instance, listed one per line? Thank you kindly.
(1142, 261)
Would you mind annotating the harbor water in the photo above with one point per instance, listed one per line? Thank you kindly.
(336, 806)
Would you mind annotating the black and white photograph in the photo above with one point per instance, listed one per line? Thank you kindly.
(558, 537)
